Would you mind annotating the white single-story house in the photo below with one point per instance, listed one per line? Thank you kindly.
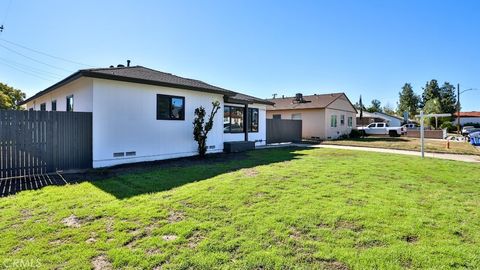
(140, 114)
(370, 117)
(325, 116)
(467, 118)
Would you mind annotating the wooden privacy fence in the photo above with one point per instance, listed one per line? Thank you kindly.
(37, 142)
(284, 130)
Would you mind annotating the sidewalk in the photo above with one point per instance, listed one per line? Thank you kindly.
(465, 158)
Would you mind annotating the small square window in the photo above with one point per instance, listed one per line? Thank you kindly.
(43, 107)
(170, 107)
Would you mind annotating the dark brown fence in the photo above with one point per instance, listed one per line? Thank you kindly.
(283, 130)
(37, 142)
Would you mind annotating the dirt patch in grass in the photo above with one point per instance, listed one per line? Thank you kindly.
(410, 238)
(356, 202)
(72, 221)
(251, 172)
(332, 264)
(369, 244)
(153, 251)
(175, 216)
(109, 225)
(195, 239)
(295, 233)
(348, 225)
(101, 263)
(169, 237)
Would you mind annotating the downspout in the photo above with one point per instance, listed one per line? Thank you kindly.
(245, 126)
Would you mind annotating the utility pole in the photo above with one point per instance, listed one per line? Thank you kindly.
(458, 108)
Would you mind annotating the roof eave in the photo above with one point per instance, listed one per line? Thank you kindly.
(61, 83)
(151, 82)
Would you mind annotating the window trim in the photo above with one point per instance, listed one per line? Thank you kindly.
(66, 103)
(44, 105)
(230, 117)
(249, 124)
(342, 120)
(51, 105)
(333, 121)
(350, 121)
(170, 97)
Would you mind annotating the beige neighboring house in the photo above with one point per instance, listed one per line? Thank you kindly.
(325, 116)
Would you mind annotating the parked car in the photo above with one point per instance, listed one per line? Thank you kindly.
(381, 129)
(474, 137)
(408, 126)
(467, 129)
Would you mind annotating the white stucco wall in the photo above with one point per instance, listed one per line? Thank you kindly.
(259, 137)
(81, 89)
(124, 120)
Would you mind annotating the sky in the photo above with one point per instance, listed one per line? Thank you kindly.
(369, 48)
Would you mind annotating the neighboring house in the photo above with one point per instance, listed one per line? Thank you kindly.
(146, 115)
(368, 117)
(467, 117)
(325, 116)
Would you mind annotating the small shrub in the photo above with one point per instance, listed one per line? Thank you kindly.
(449, 126)
(355, 134)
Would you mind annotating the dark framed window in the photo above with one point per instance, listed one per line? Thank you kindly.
(170, 107)
(54, 105)
(277, 116)
(43, 107)
(252, 120)
(233, 120)
(69, 104)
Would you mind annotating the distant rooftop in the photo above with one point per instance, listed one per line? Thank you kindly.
(468, 114)
(318, 101)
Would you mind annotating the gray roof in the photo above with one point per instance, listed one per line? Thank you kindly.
(139, 74)
(319, 101)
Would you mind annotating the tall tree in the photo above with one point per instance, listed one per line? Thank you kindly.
(408, 101)
(376, 106)
(10, 97)
(430, 91)
(448, 98)
(359, 106)
(432, 106)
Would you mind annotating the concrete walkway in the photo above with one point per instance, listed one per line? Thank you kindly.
(465, 158)
(457, 157)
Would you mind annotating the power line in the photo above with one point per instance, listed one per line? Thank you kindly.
(33, 59)
(29, 73)
(32, 69)
(46, 54)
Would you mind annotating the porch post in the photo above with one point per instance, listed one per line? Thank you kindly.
(245, 124)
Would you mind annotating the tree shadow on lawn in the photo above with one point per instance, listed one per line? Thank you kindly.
(126, 181)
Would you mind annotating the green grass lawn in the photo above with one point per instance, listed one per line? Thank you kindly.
(267, 209)
(406, 143)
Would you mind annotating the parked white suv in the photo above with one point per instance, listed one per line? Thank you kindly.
(381, 129)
